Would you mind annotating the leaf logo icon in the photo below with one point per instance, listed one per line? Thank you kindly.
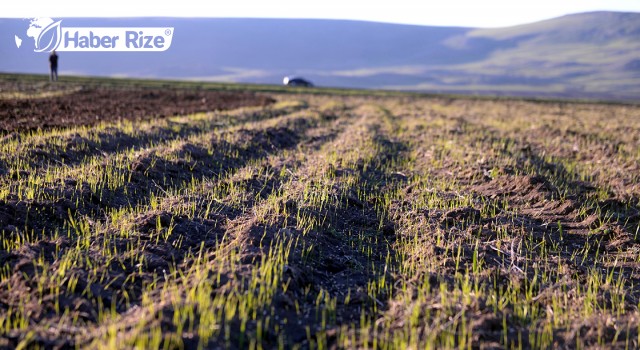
(49, 38)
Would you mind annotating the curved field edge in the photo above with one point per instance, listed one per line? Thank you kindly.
(327, 221)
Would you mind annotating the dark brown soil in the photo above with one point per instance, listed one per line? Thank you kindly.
(90, 106)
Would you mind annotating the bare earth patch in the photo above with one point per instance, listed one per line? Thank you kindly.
(89, 105)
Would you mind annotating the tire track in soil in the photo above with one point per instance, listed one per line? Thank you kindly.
(573, 219)
(555, 196)
(530, 194)
(537, 204)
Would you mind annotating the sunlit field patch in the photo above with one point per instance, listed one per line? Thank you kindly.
(326, 220)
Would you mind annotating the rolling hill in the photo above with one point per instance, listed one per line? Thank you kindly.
(589, 55)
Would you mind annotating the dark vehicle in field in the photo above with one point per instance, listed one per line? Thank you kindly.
(296, 82)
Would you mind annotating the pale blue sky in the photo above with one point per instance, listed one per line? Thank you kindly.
(468, 13)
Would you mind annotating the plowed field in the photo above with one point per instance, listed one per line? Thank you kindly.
(318, 221)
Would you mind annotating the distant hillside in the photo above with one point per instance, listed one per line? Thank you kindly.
(584, 55)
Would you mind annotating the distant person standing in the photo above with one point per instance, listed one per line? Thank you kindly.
(53, 63)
